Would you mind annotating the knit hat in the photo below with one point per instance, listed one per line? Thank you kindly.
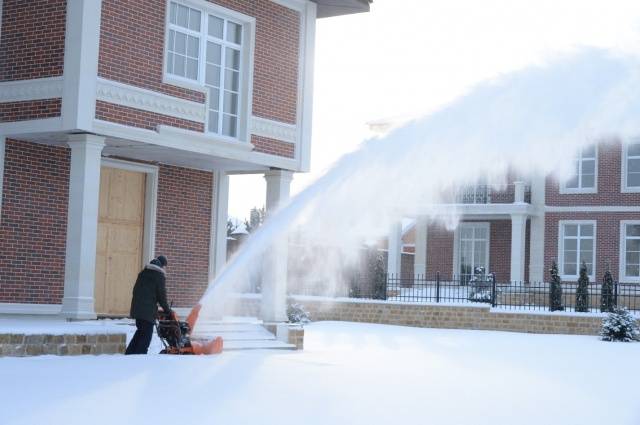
(162, 260)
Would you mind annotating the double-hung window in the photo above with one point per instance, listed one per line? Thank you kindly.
(577, 245)
(583, 179)
(631, 167)
(630, 251)
(208, 50)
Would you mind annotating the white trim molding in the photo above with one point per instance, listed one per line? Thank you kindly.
(150, 201)
(274, 129)
(622, 276)
(150, 101)
(592, 209)
(36, 89)
(31, 309)
(305, 83)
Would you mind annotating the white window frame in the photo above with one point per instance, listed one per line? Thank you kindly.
(625, 188)
(570, 190)
(457, 242)
(245, 97)
(575, 277)
(623, 252)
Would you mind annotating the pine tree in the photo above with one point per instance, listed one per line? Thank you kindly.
(582, 292)
(620, 325)
(606, 293)
(378, 276)
(555, 289)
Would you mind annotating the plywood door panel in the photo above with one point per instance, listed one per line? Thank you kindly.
(119, 248)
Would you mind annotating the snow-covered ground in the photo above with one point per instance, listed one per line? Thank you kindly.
(348, 374)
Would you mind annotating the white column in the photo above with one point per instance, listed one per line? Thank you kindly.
(2, 149)
(394, 253)
(219, 217)
(537, 271)
(274, 268)
(519, 192)
(82, 38)
(420, 257)
(82, 226)
(518, 230)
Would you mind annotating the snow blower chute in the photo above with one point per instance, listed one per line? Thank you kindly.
(175, 335)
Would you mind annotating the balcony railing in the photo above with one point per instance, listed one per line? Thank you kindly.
(494, 194)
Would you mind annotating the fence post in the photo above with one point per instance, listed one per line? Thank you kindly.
(615, 294)
(493, 290)
(437, 287)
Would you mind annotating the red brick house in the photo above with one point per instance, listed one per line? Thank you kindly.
(517, 230)
(120, 121)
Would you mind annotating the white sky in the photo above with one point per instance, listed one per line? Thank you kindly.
(408, 57)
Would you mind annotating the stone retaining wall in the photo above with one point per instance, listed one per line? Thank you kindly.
(20, 345)
(436, 316)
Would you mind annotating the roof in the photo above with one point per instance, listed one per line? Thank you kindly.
(328, 8)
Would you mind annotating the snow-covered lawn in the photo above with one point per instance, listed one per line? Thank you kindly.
(348, 374)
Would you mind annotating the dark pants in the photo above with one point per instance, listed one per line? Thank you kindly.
(141, 339)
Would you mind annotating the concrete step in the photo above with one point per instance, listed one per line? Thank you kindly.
(244, 335)
(257, 345)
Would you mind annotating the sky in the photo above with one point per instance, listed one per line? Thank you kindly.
(407, 58)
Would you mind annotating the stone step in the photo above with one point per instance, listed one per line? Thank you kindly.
(257, 345)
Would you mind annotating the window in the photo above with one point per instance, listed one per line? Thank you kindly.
(473, 249)
(209, 50)
(584, 174)
(630, 252)
(577, 245)
(632, 167)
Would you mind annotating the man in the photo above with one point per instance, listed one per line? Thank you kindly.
(148, 292)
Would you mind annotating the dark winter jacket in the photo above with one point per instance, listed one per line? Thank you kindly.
(148, 292)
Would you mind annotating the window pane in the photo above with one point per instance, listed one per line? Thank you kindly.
(633, 180)
(571, 244)
(466, 232)
(571, 230)
(632, 258)
(632, 271)
(181, 43)
(230, 103)
(172, 12)
(586, 244)
(213, 122)
(234, 33)
(634, 165)
(633, 229)
(570, 269)
(170, 63)
(229, 125)
(194, 20)
(586, 256)
(589, 152)
(588, 180)
(633, 245)
(232, 80)
(215, 26)
(213, 76)
(193, 47)
(572, 183)
(481, 233)
(183, 16)
(179, 65)
(570, 257)
(172, 37)
(589, 167)
(586, 230)
(192, 69)
(634, 150)
(232, 59)
(214, 53)
(214, 98)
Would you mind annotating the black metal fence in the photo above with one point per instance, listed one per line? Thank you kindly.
(510, 295)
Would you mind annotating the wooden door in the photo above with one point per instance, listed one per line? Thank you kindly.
(120, 238)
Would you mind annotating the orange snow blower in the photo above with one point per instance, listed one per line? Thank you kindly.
(175, 335)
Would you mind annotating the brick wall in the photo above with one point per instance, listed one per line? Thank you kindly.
(439, 250)
(433, 316)
(132, 51)
(32, 44)
(608, 182)
(273, 147)
(34, 223)
(30, 110)
(183, 231)
(141, 119)
(500, 249)
(607, 239)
